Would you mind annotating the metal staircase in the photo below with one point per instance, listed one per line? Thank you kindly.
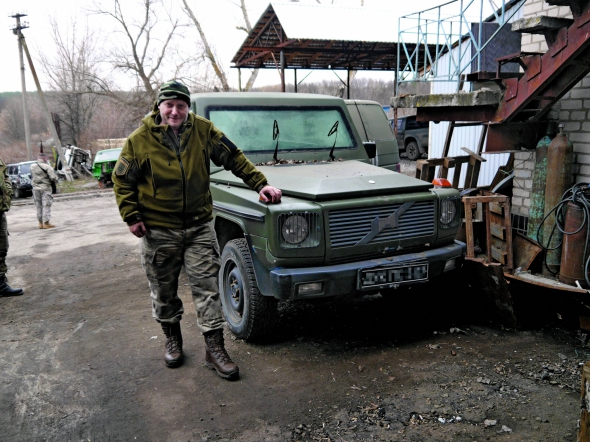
(515, 112)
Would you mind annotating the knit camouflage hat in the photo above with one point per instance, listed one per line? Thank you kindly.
(174, 89)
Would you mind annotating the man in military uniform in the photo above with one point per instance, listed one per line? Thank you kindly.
(43, 177)
(5, 201)
(161, 183)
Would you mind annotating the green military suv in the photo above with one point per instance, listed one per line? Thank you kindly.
(344, 226)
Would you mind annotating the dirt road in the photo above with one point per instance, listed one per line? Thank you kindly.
(82, 357)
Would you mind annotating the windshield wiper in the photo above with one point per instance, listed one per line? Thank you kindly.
(333, 130)
(275, 136)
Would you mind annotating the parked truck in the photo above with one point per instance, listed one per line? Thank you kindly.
(344, 227)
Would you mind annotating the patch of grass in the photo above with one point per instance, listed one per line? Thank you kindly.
(77, 185)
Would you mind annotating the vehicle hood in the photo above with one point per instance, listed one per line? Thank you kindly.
(331, 180)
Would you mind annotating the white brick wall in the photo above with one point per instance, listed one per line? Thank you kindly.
(573, 110)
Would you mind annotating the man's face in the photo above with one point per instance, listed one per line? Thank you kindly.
(173, 112)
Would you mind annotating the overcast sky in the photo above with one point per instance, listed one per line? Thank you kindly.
(219, 19)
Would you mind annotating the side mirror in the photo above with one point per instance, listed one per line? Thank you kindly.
(371, 148)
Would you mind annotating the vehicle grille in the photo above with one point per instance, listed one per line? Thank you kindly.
(349, 226)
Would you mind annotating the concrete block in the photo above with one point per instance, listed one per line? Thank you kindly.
(564, 116)
(578, 115)
(521, 173)
(524, 211)
(580, 92)
(571, 104)
(581, 137)
(581, 148)
(526, 202)
(583, 159)
(528, 184)
(532, 47)
(517, 191)
(522, 156)
(516, 201)
(586, 81)
(571, 126)
(565, 12)
(584, 170)
(530, 165)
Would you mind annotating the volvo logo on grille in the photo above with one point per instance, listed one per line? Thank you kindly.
(380, 224)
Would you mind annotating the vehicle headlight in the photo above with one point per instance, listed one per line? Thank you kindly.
(300, 229)
(449, 212)
(295, 229)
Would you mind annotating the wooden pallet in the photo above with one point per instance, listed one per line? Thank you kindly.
(498, 228)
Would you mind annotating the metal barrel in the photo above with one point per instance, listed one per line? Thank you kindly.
(559, 179)
(537, 207)
(572, 252)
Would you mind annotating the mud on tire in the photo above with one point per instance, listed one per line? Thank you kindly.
(248, 313)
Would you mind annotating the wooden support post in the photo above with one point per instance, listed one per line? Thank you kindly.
(584, 427)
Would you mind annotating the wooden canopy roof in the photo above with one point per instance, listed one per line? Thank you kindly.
(303, 33)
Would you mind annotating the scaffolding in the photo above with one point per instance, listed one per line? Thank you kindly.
(448, 31)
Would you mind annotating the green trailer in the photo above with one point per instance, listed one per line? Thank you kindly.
(104, 163)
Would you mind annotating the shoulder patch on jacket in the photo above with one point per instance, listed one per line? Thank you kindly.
(227, 142)
(122, 166)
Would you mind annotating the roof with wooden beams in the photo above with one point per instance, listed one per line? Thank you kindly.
(323, 37)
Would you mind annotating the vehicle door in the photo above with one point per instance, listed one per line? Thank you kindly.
(372, 125)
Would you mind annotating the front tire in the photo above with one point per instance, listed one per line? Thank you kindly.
(248, 313)
(412, 151)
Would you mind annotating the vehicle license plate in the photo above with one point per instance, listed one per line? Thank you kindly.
(387, 276)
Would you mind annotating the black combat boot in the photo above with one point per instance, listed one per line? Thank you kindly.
(6, 290)
(173, 356)
(216, 358)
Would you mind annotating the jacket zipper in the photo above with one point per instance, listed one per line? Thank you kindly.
(153, 177)
(176, 143)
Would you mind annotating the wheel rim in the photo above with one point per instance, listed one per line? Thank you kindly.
(234, 292)
(412, 150)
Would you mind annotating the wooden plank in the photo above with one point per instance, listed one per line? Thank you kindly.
(469, 229)
(544, 282)
(499, 255)
(496, 208)
(498, 231)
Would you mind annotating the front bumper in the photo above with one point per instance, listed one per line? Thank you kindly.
(342, 279)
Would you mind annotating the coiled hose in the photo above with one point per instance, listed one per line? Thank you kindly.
(579, 194)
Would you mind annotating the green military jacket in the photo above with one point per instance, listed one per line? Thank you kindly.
(5, 189)
(163, 180)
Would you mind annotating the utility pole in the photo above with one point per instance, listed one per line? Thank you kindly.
(58, 147)
(17, 31)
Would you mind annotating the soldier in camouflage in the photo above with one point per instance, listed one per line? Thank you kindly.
(43, 177)
(161, 183)
(5, 201)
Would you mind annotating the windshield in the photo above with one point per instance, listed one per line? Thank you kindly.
(25, 168)
(301, 129)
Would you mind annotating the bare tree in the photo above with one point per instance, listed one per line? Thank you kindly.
(147, 40)
(70, 75)
(209, 51)
(12, 124)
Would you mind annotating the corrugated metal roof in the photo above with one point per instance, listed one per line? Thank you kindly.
(324, 22)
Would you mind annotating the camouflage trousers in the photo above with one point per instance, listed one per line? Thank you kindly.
(163, 254)
(3, 245)
(43, 200)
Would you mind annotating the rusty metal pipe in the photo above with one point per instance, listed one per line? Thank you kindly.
(574, 245)
(559, 180)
